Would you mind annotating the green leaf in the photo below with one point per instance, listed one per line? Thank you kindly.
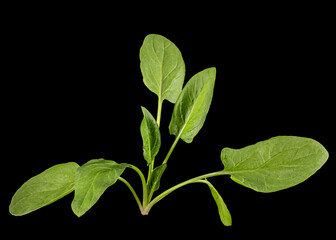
(92, 179)
(151, 137)
(193, 105)
(275, 164)
(223, 211)
(162, 67)
(44, 189)
(154, 182)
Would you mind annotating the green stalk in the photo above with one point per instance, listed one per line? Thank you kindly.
(158, 116)
(172, 189)
(133, 192)
(171, 149)
(158, 119)
(144, 185)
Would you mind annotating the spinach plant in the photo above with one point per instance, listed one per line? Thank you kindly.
(267, 166)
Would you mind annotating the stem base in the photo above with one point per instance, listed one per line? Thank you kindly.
(144, 212)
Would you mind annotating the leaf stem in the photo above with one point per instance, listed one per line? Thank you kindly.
(158, 119)
(171, 150)
(133, 192)
(192, 180)
(144, 185)
(158, 116)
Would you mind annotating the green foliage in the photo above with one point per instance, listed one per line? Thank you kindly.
(193, 105)
(92, 179)
(162, 67)
(223, 211)
(268, 166)
(151, 137)
(44, 189)
(275, 164)
(154, 183)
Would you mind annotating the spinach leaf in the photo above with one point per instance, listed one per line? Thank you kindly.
(275, 164)
(151, 137)
(44, 189)
(193, 105)
(154, 182)
(162, 67)
(223, 211)
(92, 179)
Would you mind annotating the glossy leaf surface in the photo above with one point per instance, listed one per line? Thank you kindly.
(92, 179)
(193, 105)
(275, 164)
(162, 67)
(44, 189)
(151, 137)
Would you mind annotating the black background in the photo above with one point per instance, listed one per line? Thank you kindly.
(72, 91)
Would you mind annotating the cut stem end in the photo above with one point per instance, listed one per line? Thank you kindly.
(144, 212)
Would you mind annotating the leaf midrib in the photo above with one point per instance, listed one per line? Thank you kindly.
(261, 166)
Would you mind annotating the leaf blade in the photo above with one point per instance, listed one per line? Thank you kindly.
(151, 137)
(223, 211)
(154, 182)
(92, 179)
(162, 67)
(274, 164)
(192, 106)
(44, 189)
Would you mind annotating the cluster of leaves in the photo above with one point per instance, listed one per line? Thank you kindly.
(272, 165)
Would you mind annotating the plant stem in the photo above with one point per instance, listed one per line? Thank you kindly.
(133, 192)
(150, 171)
(192, 180)
(158, 119)
(171, 150)
(158, 116)
(144, 185)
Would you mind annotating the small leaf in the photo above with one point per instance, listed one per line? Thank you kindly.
(223, 211)
(92, 179)
(151, 137)
(44, 189)
(154, 182)
(193, 105)
(275, 164)
(162, 67)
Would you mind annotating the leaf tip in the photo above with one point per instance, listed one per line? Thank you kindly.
(76, 210)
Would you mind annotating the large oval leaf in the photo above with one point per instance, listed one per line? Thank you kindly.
(275, 164)
(193, 105)
(92, 179)
(44, 189)
(162, 67)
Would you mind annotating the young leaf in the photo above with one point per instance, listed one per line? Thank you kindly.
(162, 67)
(193, 105)
(275, 164)
(151, 137)
(44, 189)
(92, 179)
(154, 182)
(223, 211)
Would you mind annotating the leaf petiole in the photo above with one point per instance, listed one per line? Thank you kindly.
(133, 192)
(192, 180)
(144, 184)
(158, 119)
(158, 116)
(171, 150)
